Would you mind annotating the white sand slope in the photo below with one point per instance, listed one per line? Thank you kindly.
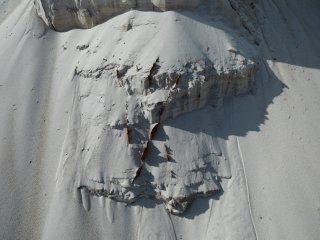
(183, 124)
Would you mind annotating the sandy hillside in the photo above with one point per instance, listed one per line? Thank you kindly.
(159, 119)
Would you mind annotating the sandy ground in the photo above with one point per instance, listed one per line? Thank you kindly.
(270, 138)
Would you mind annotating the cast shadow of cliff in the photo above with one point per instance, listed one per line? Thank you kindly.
(238, 116)
(241, 115)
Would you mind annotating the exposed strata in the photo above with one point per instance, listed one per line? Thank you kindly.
(185, 88)
(128, 130)
(64, 15)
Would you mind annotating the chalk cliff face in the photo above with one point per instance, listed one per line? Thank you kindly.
(63, 15)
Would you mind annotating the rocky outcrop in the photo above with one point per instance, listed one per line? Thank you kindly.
(129, 130)
(64, 15)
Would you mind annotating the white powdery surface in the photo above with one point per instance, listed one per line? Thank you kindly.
(53, 88)
(117, 145)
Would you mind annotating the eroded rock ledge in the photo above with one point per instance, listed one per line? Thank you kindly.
(64, 15)
(130, 137)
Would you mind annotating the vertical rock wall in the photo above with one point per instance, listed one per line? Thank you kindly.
(64, 15)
